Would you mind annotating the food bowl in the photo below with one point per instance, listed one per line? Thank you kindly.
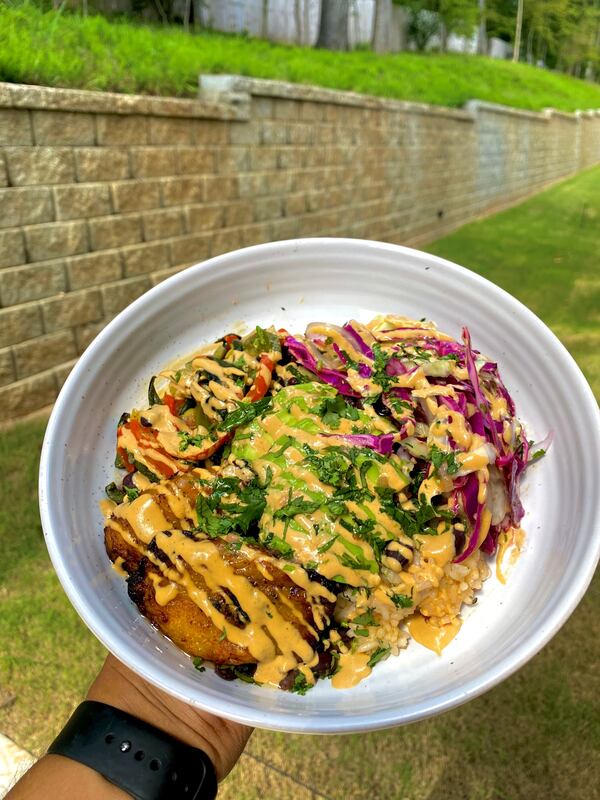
(290, 284)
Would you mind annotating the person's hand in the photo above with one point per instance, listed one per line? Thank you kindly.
(221, 740)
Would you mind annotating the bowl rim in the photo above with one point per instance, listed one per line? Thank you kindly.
(277, 720)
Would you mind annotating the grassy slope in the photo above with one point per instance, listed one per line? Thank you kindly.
(92, 53)
(537, 734)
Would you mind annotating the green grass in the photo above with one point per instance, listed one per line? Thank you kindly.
(93, 53)
(546, 253)
(536, 735)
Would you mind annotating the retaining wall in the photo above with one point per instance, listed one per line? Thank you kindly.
(105, 195)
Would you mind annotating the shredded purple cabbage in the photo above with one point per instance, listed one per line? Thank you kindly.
(380, 443)
(358, 341)
(303, 355)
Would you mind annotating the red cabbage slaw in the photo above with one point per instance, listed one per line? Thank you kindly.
(455, 418)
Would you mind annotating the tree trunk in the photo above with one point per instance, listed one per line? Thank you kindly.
(186, 15)
(517, 47)
(382, 22)
(333, 28)
(482, 30)
(443, 37)
(529, 55)
(306, 37)
(298, 20)
(264, 21)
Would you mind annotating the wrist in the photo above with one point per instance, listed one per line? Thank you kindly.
(221, 740)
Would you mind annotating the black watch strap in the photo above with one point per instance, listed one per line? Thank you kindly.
(135, 756)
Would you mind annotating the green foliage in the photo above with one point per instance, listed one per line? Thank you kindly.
(61, 49)
(551, 263)
(430, 17)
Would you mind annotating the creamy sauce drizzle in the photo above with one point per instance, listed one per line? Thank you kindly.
(430, 636)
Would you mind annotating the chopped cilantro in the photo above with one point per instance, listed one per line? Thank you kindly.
(377, 655)
(538, 454)
(186, 439)
(332, 409)
(245, 412)
(132, 494)
(297, 506)
(300, 685)
(262, 341)
(284, 442)
(328, 544)
(217, 518)
(331, 468)
(439, 457)
(381, 360)
(361, 632)
(289, 568)
(411, 522)
(401, 600)
(365, 619)
(198, 663)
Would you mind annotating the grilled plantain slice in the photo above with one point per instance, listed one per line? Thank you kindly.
(152, 539)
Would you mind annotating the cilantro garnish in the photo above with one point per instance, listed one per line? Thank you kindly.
(411, 522)
(297, 506)
(401, 600)
(262, 341)
(439, 457)
(332, 409)
(186, 439)
(377, 655)
(198, 663)
(217, 518)
(245, 412)
(379, 374)
(538, 454)
(365, 619)
(300, 685)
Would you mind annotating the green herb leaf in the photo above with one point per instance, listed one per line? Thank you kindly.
(365, 619)
(300, 685)
(401, 600)
(217, 518)
(186, 439)
(297, 506)
(439, 458)
(332, 409)
(377, 655)
(537, 455)
(261, 341)
(244, 413)
(198, 663)
(325, 547)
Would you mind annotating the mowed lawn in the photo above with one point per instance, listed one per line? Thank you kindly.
(536, 735)
(66, 49)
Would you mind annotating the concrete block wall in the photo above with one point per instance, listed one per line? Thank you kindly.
(103, 195)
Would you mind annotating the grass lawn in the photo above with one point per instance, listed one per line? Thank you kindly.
(61, 49)
(536, 735)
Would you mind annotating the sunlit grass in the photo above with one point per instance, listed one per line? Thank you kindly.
(92, 53)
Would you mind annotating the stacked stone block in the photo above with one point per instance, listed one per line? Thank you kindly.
(102, 196)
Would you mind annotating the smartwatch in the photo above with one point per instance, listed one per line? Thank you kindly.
(135, 756)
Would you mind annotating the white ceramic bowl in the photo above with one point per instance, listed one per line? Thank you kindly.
(291, 283)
